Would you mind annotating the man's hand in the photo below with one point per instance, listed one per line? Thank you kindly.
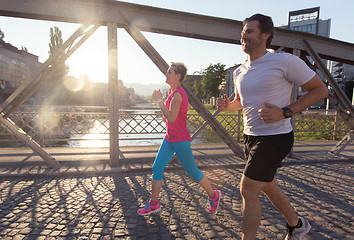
(271, 113)
(222, 103)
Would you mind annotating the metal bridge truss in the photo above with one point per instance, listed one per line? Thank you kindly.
(20, 95)
(136, 18)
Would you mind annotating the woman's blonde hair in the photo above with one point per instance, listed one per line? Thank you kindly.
(179, 68)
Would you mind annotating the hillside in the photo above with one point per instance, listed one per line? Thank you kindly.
(146, 89)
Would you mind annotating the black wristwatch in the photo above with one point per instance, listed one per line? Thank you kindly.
(287, 112)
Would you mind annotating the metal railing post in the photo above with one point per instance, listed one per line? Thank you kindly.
(113, 93)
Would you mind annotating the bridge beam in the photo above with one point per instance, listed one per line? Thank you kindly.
(170, 22)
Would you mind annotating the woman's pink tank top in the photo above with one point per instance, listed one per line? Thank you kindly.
(177, 131)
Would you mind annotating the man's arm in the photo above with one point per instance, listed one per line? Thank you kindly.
(224, 104)
(316, 90)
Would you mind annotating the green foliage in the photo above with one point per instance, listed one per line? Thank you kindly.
(210, 106)
(198, 89)
(55, 91)
(2, 35)
(56, 40)
(24, 48)
(212, 77)
(188, 81)
(206, 85)
(307, 128)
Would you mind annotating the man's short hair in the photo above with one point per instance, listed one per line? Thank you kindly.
(265, 25)
(180, 68)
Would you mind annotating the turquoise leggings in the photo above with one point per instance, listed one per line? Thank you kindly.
(184, 153)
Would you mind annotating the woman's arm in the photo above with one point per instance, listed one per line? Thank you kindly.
(171, 115)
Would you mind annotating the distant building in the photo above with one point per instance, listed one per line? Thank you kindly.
(103, 93)
(308, 20)
(344, 76)
(228, 87)
(16, 66)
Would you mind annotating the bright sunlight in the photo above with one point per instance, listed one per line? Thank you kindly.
(91, 59)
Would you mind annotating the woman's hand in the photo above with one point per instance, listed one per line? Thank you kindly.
(157, 95)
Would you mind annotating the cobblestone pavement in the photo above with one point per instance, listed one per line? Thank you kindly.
(104, 206)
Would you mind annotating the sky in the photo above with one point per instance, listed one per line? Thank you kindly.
(135, 67)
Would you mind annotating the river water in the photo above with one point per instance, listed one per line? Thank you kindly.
(95, 139)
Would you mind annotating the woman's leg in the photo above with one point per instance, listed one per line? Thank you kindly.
(164, 155)
(207, 186)
(185, 156)
(156, 188)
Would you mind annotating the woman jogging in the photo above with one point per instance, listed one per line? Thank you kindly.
(177, 140)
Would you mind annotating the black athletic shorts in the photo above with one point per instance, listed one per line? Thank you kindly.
(264, 155)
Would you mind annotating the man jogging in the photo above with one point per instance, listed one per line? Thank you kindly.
(263, 86)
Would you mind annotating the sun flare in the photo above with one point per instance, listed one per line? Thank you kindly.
(90, 60)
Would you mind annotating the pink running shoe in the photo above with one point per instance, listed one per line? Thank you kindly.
(149, 209)
(214, 203)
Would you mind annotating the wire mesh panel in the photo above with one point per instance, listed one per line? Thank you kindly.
(73, 125)
(320, 125)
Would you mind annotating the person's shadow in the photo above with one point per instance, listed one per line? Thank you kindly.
(184, 207)
(131, 190)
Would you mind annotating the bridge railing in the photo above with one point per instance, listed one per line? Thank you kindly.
(72, 125)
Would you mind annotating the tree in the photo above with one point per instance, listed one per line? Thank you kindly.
(198, 89)
(56, 40)
(194, 82)
(123, 93)
(212, 77)
(55, 84)
(23, 48)
(188, 81)
(2, 35)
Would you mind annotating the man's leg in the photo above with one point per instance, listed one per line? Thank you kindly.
(252, 210)
(277, 196)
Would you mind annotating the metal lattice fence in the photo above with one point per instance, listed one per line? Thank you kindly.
(60, 126)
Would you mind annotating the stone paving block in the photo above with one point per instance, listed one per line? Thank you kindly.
(100, 206)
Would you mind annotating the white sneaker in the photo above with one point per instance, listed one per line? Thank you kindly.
(298, 233)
